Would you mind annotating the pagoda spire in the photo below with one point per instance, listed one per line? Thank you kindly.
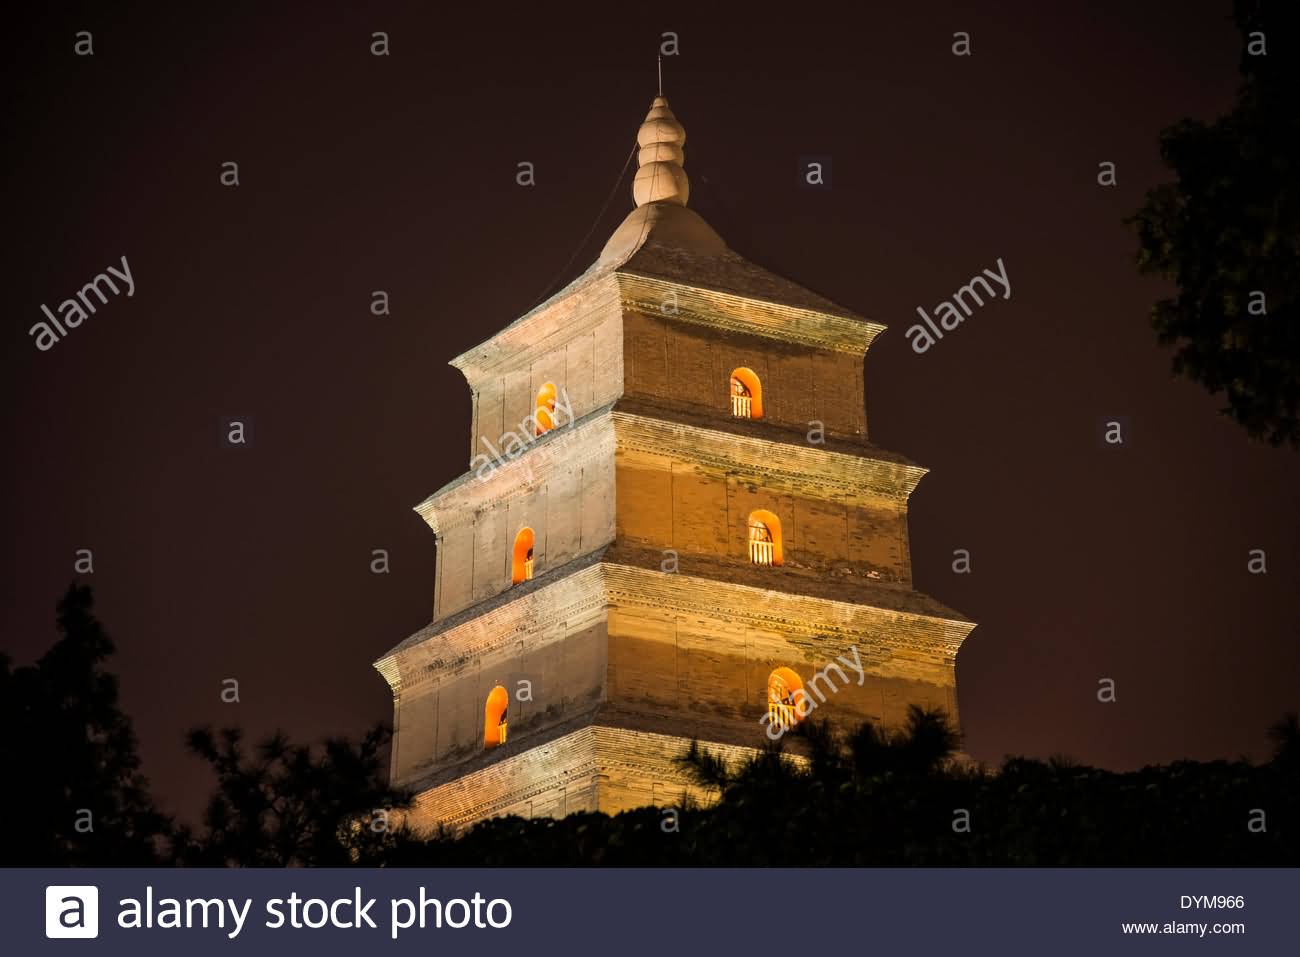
(661, 178)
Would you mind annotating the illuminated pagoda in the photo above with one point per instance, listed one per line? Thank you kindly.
(672, 524)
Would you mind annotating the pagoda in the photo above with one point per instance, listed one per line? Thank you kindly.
(672, 527)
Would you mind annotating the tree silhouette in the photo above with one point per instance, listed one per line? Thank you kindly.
(73, 793)
(902, 797)
(287, 805)
(874, 796)
(1285, 735)
(1227, 233)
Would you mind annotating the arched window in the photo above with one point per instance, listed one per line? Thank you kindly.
(765, 538)
(746, 394)
(786, 706)
(544, 413)
(521, 559)
(494, 717)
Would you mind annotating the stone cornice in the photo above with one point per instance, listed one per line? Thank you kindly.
(585, 303)
(446, 647)
(732, 313)
(459, 773)
(790, 614)
(779, 465)
(782, 466)
(566, 314)
(490, 783)
(589, 438)
(571, 593)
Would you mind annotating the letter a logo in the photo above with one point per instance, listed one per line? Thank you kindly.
(71, 911)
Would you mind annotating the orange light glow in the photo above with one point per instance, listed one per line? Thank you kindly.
(746, 394)
(785, 698)
(494, 717)
(521, 562)
(545, 411)
(765, 538)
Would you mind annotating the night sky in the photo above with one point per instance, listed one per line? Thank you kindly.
(362, 173)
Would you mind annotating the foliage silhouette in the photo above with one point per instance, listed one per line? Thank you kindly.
(875, 796)
(73, 794)
(287, 805)
(1229, 226)
(892, 798)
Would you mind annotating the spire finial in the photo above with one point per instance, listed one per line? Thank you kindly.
(661, 74)
(661, 178)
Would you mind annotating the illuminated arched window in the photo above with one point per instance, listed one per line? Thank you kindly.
(521, 559)
(545, 411)
(764, 538)
(494, 717)
(785, 699)
(746, 394)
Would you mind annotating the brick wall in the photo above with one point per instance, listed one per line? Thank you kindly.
(687, 366)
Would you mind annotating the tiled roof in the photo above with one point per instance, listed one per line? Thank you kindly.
(725, 272)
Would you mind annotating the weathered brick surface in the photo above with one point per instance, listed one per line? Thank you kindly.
(646, 624)
(594, 768)
(574, 343)
(661, 484)
(668, 653)
(562, 489)
(688, 366)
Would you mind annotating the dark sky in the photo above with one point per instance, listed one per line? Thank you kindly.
(361, 173)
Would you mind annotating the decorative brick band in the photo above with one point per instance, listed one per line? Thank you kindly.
(888, 638)
(720, 310)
